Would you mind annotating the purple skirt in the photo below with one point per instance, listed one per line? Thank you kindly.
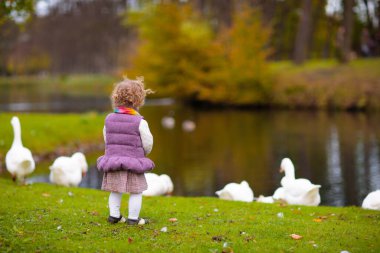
(124, 181)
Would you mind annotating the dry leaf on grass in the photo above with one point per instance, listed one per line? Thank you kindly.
(295, 236)
(173, 219)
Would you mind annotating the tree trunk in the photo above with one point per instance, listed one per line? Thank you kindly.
(368, 16)
(268, 8)
(377, 34)
(348, 21)
(301, 46)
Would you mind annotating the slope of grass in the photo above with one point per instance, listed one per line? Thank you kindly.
(327, 84)
(44, 133)
(46, 218)
(84, 84)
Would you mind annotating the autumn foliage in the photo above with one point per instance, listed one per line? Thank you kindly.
(181, 55)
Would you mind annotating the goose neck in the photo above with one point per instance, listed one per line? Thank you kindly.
(17, 134)
(289, 173)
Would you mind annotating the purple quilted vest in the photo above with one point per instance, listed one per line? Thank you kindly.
(124, 150)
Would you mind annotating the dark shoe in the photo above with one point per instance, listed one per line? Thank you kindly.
(139, 221)
(114, 220)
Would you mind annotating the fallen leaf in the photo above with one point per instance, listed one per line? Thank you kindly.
(297, 211)
(173, 219)
(317, 220)
(227, 250)
(45, 194)
(130, 240)
(295, 236)
(218, 238)
(249, 238)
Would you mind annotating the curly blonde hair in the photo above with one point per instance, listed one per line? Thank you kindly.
(129, 93)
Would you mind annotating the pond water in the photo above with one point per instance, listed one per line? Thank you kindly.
(339, 151)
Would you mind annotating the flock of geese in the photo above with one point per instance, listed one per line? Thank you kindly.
(69, 171)
(168, 122)
(66, 171)
(293, 191)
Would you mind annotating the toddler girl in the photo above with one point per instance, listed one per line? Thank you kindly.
(127, 141)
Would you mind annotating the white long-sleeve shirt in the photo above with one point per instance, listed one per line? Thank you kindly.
(145, 134)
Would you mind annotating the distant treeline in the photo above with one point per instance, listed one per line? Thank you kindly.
(82, 36)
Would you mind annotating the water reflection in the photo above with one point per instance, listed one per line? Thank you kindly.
(93, 179)
(374, 164)
(61, 104)
(334, 186)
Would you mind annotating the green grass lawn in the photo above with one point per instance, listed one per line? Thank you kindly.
(76, 84)
(44, 133)
(327, 84)
(45, 218)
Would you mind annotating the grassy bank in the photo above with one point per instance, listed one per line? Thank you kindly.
(48, 218)
(327, 84)
(82, 85)
(46, 133)
(322, 84)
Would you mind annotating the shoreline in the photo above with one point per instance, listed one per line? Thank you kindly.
(316, 85)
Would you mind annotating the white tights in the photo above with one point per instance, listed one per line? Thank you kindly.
(134, 205)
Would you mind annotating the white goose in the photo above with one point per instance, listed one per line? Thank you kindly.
(158, 185)
(263, 199)
(297, 191)
(237, 192)
(279, 194)
(168, 122)
(68, 171)
(372, 201)
(188, 126)
(19, 160)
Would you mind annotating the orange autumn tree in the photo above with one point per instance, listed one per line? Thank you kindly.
(243, 76)
(174, 55)
(180, 55)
